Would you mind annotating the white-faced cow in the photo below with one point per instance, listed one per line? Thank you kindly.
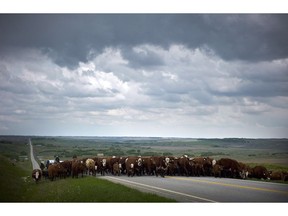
(133, 166)
(36, 175)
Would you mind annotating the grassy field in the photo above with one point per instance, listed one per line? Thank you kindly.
(253, 151)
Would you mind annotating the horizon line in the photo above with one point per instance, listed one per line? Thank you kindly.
(131, 136)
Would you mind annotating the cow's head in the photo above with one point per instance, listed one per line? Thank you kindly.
(37, 175)
(139, 162)
(167, 161)
(243, 174)
(104, 162)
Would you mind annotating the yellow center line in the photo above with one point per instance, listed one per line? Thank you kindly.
(230, 185)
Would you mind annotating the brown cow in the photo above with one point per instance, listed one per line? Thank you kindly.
(52, 171)
(123, 165)
(101, 165)
(277, 175)
(148, 165)
(117, 169)
(184, 165)
(173, 168)
(231, 168)
(110, 161)
(161, 164)
(203, 165)
(259, 172)
(36, 175)
(245, 170)
(78, 167)
(133, 165)
(67, 164)
(195, 168)
(217, 170)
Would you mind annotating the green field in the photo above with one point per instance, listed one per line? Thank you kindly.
(253, 151)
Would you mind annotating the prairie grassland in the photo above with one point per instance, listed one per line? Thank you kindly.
(258, 151)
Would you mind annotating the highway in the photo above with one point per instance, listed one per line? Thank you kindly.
(35, 165)
(206, 189)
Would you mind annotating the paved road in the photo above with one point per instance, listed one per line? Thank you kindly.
(207, 189)
(35, 165)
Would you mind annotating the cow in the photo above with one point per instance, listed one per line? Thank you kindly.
(230, 168)
(53, 171)
(133, 166)
(184, 165)
(67, 164)
(195, 168)
(148, 166)
(117, 169)
(36, 175)
(101, 165)
(217, 170)
(173, 168)
(78, 167)
(56, 170)
(259, 172)
(91, 166)
(245, 170)
(161, 164)
(110, 161)
(203, 166)
(277, 175)
(123, 165)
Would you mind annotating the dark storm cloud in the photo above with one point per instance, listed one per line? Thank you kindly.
(69, 38)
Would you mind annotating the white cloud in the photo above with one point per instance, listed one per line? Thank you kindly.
(189, 90)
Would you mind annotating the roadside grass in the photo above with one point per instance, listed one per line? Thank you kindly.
(16, 185)
(12, 181)
(88, 189)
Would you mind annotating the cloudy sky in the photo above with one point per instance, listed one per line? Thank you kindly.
(175, 75)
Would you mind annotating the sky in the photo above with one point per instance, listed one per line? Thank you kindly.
(163, 75)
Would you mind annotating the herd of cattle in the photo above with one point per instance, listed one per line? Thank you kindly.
(155, 165)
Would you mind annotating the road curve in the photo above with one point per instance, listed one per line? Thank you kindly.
(35, 165)
(207, 189)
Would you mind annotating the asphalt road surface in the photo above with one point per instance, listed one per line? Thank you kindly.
(35, 165)
(206, 189)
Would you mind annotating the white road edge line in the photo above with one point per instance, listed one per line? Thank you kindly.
(162, 189)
